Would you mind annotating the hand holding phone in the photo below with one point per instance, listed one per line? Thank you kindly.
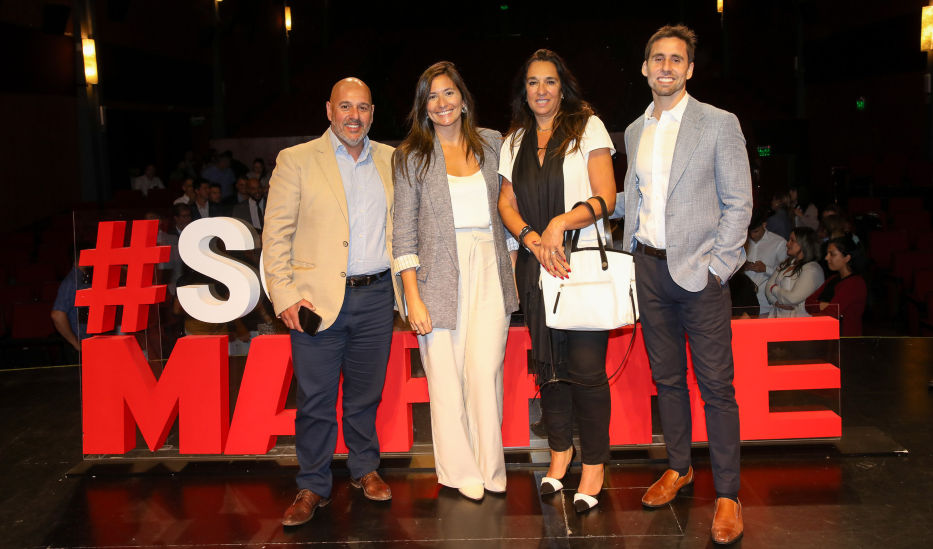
(309, 320)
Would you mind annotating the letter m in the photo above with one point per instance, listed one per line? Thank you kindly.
(118, 386)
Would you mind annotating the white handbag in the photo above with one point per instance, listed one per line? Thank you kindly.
(599, 293)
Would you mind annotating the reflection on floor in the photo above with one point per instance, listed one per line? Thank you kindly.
(822, 496)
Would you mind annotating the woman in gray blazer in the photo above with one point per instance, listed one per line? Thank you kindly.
(452, 254)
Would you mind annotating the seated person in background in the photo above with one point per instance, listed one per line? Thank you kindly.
(797, 277)
(215, 197)
(253, 208)
(764, 252)
(781, 220)
(148, 180)
(187, 187)
(68, 320)
(804, 210)
(240, 195)
(844, 293)
(202, 205)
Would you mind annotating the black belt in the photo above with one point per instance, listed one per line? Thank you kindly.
(365, 280)
(648, 250)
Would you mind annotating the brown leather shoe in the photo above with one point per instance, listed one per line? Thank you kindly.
(665, 488)
(303, 508)
(373, 486)
(727, 521)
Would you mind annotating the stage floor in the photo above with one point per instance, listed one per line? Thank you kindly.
(872, 489)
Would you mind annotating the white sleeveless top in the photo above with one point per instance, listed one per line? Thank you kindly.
(468, 197)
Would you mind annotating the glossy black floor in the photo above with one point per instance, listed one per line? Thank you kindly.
(859, 493)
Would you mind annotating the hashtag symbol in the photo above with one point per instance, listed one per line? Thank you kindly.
(105, 293)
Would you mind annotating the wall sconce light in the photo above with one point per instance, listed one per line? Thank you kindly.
(288, 19)
(90, 60)
(719, 6)
(926, 28)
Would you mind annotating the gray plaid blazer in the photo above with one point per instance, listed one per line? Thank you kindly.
(709, 201)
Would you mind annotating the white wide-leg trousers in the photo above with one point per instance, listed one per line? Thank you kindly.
(464, 371)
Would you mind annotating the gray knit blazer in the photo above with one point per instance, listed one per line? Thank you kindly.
(423, 224)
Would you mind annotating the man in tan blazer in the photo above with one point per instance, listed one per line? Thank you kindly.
(327, 247)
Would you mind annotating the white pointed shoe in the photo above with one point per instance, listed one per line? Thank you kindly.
(550, 486)
(474, 492)
(583, 503)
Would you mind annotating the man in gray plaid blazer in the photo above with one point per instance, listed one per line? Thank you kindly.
(688, 187)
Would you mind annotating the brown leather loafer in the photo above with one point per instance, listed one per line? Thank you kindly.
(665, 488)
(373, 486)
(727, 522)
(303, 508)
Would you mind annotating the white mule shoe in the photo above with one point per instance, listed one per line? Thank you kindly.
(474, 492)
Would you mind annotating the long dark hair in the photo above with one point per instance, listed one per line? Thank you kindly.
(847, 246)
(809, 245)
(574, 111)
(419, 143)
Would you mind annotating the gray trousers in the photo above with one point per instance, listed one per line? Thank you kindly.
(668, 313)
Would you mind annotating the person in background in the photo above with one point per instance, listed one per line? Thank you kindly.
(70, 321)
(220, 172)
(202, 206)
(844, 293)
(804, 210)
(148, 180)
(188, 194)
(798, 276)
(764, 251)
(781, 220)
(258, 171)
(253, 208)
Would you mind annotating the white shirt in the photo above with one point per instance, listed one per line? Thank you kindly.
(771, 250)
(144, 184)
(468, 197)
(653, 169)
(576, 174)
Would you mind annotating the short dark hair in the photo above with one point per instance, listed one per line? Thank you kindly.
(674, 31)
(179, 209)
(759, 216)
(216, 186)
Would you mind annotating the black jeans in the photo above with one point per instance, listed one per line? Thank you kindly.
(562, 402)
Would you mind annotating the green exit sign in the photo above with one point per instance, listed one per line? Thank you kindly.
(860, 104)
(764, 151)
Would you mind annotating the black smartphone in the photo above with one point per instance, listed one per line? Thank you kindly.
(309, 320)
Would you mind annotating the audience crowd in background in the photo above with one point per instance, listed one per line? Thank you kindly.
(870, 259)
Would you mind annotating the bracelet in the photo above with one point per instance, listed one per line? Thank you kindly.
(521, 236)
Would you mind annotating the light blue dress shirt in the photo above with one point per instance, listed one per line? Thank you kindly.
(366, 207)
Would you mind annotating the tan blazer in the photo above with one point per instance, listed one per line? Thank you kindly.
(306, 235)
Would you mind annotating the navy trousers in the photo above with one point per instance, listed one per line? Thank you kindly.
(357, 346)
(667, 313)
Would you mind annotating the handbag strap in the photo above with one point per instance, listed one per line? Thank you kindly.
(604, 260)
(606, 229)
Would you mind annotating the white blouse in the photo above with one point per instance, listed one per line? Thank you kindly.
(468, 197)
(793, 289)
(576, 175)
